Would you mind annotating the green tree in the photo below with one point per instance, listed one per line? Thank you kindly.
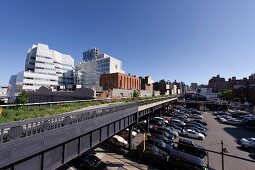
(226, 94)
(153, 93)
(135, 94)
(22, 98)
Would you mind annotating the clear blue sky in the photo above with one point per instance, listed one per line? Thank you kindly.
(188, 40)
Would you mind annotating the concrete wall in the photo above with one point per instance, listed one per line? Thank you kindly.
(45, 94)
(122, 93)
(144, 93)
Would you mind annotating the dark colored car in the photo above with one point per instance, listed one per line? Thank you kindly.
(168, 130)
(160, 144)
(197, 124)
(171, 114)
(190, 126)
(157, 122)
(190, 147)
(176, 126)
(199, 121)
(161, 137)
(195, 112)
(91, 162)
(159, 132)
(151, 154)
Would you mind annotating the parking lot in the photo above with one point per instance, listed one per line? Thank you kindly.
(217, 132)
(230, 135)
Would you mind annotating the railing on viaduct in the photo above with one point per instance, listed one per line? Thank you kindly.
(49, 142)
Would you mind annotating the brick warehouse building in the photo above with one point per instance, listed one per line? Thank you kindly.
(120, 81)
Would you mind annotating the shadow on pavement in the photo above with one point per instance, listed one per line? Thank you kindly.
(114, 164)
(252, 156)
(239, 133)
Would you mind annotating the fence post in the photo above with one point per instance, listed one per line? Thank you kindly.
(222, 155)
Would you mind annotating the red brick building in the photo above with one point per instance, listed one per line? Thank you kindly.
(218, 83)
(119, 81)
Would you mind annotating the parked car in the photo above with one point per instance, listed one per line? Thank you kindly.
(194, 116)
(222, 120)
(195, 112)
(177, 121)
(161, 137)
(199, 121)
(176, 127)
(171, 114)
(137, 130)
(182, 118)
(233, 121)
(118, 140)
(168, 130)
(157, 122)
(160, 144)
(193, 134)
(182, 114)
(161, 119)
(196, 130)
(190, 147)
(247, 142)
(151, 154)
(195, 126)
(134, 133)
(159, 132)
(90, 162)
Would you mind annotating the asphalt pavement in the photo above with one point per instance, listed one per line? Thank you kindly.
(230, 135)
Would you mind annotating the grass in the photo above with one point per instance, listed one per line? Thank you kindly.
(22, 113)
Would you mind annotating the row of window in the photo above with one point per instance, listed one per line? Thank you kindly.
(39, 56)
(42, 62)
(104, 65)
(30, 84)
(43, 68)
(34, 78)
(69, 65)
(103, 61)
(53, 74)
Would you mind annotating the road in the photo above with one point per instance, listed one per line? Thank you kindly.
(230, 135)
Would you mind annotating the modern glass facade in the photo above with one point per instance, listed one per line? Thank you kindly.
(44, 67)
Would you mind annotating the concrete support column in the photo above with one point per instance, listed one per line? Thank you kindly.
(147, 125)
(130, 141)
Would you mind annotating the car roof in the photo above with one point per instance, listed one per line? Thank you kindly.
(190, 130)
(186, 156)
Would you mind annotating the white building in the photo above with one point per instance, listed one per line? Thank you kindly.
(87, 73)
(207, 92)
(43, 67)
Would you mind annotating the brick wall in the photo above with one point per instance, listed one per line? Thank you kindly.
(119, 81)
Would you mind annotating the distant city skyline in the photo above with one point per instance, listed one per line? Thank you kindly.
(188, 41)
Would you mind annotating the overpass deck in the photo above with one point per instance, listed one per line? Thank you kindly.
(49, 142)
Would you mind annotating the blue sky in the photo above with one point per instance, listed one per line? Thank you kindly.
(188, 40)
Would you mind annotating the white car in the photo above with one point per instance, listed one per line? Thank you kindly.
(247, 142)
(118, 140)
(193, 134)
(223, 120)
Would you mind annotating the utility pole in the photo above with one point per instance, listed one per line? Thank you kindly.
(222, 155)
(208, 160)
